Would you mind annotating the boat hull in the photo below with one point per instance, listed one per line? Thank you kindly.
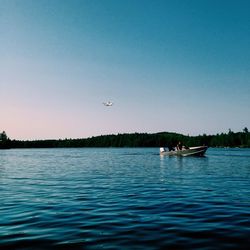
(192, 151)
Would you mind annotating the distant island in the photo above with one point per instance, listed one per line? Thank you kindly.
(230, 139)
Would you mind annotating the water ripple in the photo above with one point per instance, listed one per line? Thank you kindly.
(124, 199)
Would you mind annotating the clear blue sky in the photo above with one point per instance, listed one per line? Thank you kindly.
(178, 66)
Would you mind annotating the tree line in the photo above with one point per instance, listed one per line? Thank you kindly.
(5, 142)
(230, 139)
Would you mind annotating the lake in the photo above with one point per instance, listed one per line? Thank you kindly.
(124, 198)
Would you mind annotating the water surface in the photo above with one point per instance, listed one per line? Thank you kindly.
(124, 199)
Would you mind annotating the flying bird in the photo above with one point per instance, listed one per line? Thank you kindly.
(108, 104)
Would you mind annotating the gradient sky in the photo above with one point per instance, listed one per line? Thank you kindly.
(178, 66)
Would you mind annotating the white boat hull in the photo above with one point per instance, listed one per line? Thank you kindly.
(192, 151)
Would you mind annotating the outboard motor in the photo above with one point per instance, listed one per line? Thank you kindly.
(162, 150)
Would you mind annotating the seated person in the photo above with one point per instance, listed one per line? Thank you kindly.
(179, 146)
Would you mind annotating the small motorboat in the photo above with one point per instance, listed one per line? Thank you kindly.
(192, 151)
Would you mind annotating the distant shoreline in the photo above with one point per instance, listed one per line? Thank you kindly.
(230, 139)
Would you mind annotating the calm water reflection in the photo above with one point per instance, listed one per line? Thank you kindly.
(124, 199)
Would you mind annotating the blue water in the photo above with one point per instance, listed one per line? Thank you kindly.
(124, 199)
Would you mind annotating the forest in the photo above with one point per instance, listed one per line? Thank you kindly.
(161, 139)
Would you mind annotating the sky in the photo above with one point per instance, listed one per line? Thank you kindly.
(178, 66)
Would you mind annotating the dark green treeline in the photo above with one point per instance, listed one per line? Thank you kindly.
(230, 139)
(5, 142)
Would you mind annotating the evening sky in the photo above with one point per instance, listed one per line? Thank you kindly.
(178, 66)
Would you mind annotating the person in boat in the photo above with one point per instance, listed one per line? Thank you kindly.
(179, 146)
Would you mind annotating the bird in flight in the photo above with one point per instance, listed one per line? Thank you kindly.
(108, 104)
